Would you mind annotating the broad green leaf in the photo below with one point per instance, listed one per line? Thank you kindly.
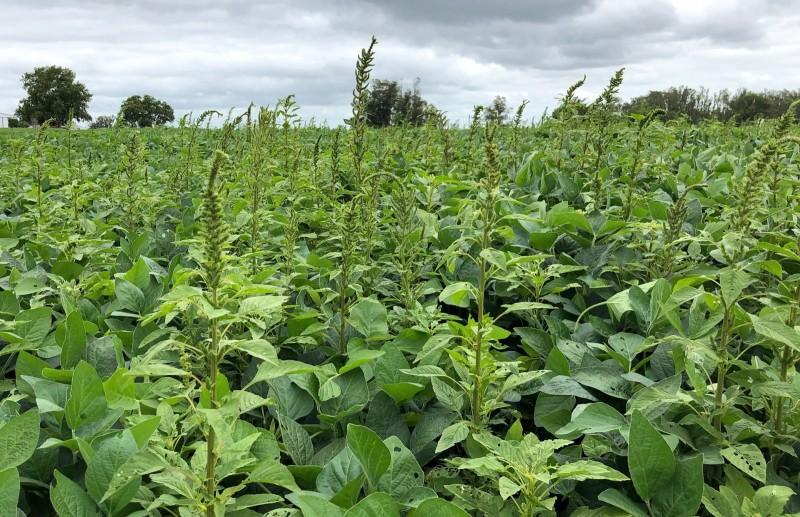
(139, 274)
(358, 358)
(769, 501)
(370, 451)
(527, 306)
(588, 469)
(271, 471)
(732, 282)
(30, 328)
(626, 344)
(312, 505)
(594, 418)
(261, 306)
(368, 317)
(722, 503)
(777, 331)
(552, 412)
(120, 390)
(297, 441)
(452, 435)
(650, 460)
(260, 348)
(19, 438)
(507, 488)
(682, 495)
(338, 472)
(747, 458)
(402, 392)
(378, 504)
(144, 430)
(437, 508)
(108, 458)
(74, 340)
(70, 500)
(457, 294)
(129, 296)
(87, 400)
(9, 492)
(563, 385)
(404, 473)
(619, 500)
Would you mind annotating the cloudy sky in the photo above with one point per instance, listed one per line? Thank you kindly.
(199, 54)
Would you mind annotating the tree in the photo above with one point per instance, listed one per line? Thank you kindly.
(411, 108)
(700, 104)
(747, 105)
(102, 122)
(389, 104)
(381, 102)
(146, 111)
(497, 111)
(52, 94)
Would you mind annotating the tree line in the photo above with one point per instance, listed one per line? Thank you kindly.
(700, 104)
(54, 94)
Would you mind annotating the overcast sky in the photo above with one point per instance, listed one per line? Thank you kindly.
(200, 54)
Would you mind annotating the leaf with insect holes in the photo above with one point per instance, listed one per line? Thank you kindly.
(749, 459)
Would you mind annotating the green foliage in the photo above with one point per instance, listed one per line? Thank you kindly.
(53, 93)
(595, 315)
(145, 111)
(701, 104)
(389, 104)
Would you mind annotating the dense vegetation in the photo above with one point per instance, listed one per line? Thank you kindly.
(594, 316)
(700, 104)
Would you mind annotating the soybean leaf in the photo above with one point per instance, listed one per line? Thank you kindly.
(378, 504)
(18, 439)
(650, 459)
(747, 458)
(74, 340)
(370, 451)
(9, 492)
(437, 508)
(682, 495)
(368, 317)
(70, 500)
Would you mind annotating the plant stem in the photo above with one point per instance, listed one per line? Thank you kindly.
(477, 388)
(722, 368)
(211, 457)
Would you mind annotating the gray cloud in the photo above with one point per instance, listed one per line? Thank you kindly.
(199, 54)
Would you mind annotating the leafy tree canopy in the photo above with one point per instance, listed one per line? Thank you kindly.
(53, 93)
(497, 110)
(103, 121)
(700, 104)
(389, 104)
(146, 111)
